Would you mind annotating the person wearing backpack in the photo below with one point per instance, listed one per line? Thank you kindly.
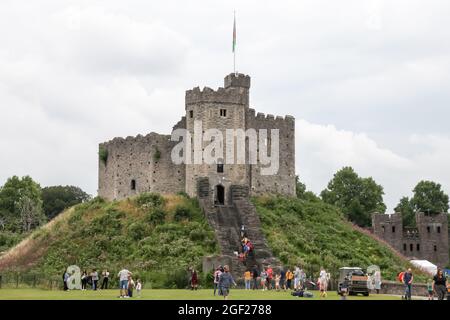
(217, 274)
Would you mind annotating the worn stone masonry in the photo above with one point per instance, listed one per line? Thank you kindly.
(428, 241)
(143, 164)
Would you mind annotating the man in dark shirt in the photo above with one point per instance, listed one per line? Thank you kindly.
(407, 280)
(283, 279)
(255, 275)
(440, 284)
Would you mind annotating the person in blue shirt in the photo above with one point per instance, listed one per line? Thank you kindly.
(407, 280)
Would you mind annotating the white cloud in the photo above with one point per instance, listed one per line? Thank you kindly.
(322, 150)
(75, 73)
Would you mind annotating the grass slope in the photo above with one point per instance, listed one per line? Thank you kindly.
(314, 234)
(160, 237)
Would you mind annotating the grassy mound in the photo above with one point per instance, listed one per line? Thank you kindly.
(159, 237)
(314, 234)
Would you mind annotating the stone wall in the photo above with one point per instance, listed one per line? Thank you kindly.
(429, 241)
(397, 288)
(139, 164)
(284, 181)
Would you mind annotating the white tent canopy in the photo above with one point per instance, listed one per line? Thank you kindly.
(425, 266)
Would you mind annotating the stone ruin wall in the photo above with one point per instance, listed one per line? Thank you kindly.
(428, 241)
(134, 158)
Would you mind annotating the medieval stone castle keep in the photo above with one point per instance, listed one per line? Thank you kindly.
(143, 164)
(139, 164)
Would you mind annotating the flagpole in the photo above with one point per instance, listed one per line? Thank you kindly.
(234, 43)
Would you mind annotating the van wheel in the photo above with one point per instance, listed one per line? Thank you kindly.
(366, 294)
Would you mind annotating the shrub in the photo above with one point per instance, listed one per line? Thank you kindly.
(149, 200)
(182, 213)
(103, 154)
(156, 216)
(157, 154)
(137, 231)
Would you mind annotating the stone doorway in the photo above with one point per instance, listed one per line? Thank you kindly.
(220, 195)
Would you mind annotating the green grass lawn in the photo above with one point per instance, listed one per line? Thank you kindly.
(168, 294)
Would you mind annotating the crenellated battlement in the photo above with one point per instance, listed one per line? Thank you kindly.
(271, 118)
(152, 136)
(231, 95)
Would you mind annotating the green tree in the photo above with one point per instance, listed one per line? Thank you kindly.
(58, 198)
(429, 197)
(31, 214)
(406, 208)
(357, 197)
(302, 193)
(12, 196)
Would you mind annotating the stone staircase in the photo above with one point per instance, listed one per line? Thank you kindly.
(227, 222)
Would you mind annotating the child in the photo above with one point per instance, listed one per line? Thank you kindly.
(263, 280)
(130, 287)
(430, 289)
(138, 287)
(277, 282)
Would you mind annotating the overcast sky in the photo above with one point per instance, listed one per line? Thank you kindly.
(368, 81)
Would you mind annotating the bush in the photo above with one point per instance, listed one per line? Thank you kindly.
(156, 216)
(149, 200)
(182, 213)
(137, 231)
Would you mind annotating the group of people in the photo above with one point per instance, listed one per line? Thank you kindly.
(223, 280)
(127, 284)
(436, 286)
(268, 279)
(246, 248)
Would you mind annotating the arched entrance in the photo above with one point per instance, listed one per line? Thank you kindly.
(220, 195)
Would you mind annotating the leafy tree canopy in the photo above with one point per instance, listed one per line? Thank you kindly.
(357, 197)
(12, 196)
(429, 197)
(58, 198)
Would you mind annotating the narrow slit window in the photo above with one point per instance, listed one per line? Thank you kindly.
(133, 184)
(220, 168)
(191, 113)
(223, 112)
(404, 247)
(411, 247)
(418, 247)
(393, 229)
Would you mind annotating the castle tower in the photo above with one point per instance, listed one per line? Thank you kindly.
(221, 109)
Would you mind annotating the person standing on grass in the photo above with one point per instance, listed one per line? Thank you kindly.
(123, 282)
(105, 280)
(269, 277)
(297, 278)
(84, 277)
(131, 285)
(94, 276)
(138, 287)
(407, 281)
(430, 289)
(225, 282)
(302, 280)
(323, 282)
(377, 281)
(289, 277)
(217, 274)
(255, 275)
(194, 280)
(247, 279)
(277, 282)
(440, 284)
(283, 279)
(263, 279)
(65, 279)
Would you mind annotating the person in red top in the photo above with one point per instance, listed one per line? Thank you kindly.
(269, 277)
(194, 280)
